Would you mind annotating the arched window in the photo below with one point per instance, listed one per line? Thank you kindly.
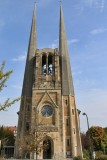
(44, 64)
(50, 65)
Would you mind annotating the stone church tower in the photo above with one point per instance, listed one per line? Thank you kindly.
(48, 100)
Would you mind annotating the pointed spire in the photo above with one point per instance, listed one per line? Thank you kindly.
(67, 82)
(28, 77)
(60, 2)
(32, 40)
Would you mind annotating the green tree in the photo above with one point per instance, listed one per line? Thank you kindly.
(4, 76)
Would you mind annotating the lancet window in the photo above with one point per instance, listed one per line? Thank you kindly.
(50, 65)
(47, 64)
(44, 64)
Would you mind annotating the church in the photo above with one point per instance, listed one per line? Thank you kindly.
(48, 100)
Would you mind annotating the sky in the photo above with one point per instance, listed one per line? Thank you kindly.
(86, 29)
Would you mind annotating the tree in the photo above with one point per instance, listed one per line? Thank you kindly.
(4, 76)
(34, 143)
(85, 145)
(105, 129)
(7, 136)
(98, 138)
(85, 141)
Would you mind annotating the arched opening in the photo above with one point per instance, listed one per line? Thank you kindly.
(50, 65)
(44, 64)
(47, 152)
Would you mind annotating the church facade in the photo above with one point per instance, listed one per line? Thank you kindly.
(48, 100)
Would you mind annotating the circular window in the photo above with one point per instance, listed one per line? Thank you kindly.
(47, 111)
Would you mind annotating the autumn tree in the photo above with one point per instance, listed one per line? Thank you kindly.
(7, 136)
(4, 76)
(98, 138)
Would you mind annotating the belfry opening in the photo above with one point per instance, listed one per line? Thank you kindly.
(50, 65)
(44, 71)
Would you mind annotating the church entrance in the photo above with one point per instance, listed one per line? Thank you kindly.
(47, 153)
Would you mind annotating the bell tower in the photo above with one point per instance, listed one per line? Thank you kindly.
(48, 100)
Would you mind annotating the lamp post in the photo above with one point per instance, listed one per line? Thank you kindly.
(84, 114)
(91, 157)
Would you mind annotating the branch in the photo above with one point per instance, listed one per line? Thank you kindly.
(8, 103)
(3, 76)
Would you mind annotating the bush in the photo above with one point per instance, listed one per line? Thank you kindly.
(103, 157)
(78, 158)
(86, 154)
(98, 154)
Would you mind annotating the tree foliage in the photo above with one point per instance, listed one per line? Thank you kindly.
(105, 129)
(4, 76)
(7, 136)
(34, 143)
(85, 141)
(98, 137)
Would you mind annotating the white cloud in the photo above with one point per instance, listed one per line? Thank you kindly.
(96, 4)
(72, 41)
(54, 44)
(102, 5)
(99, 4)
(88, 2)
(98, 31)
(20, 58)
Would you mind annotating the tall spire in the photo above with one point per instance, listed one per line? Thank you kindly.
(67, 82)
(28, 76)
(32, 40)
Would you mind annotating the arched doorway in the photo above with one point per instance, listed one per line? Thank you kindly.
(47, 152)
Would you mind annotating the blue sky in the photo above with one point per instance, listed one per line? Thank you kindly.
(86, 29)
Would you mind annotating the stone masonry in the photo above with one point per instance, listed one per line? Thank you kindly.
(48, 100)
